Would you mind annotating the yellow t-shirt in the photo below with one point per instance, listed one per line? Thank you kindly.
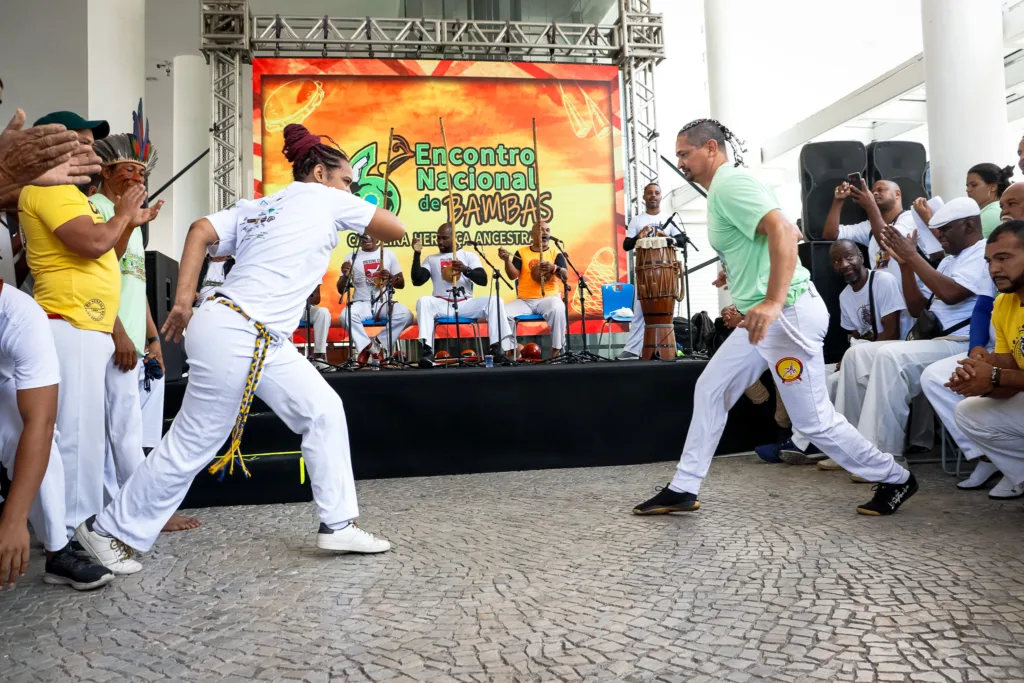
(84, 291)
(530, 288)
(1008, 319)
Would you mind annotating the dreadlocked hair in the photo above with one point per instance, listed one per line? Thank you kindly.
(305, 151)
(699, 131)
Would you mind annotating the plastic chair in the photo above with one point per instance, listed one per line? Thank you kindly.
(450, 320)
(615, 295)
(525, 318)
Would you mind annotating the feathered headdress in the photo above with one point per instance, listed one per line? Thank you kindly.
(134, 146)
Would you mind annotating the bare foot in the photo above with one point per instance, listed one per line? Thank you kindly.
(181, 523)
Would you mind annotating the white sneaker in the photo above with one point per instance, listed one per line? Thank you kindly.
(351, 539)
(1005, 490)
(983, 473)
(106, 550)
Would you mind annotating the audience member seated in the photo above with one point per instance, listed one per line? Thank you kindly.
(990, 414)
(985, 185)
(878, 381)
(937, 375)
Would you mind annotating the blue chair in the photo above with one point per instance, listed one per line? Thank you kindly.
(615, 295)
(450, 320)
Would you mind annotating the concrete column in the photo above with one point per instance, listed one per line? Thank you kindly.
(191, 192)
(963, 51)
(116, 60)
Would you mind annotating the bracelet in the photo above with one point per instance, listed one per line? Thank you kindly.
(996, 372)
(150, 340)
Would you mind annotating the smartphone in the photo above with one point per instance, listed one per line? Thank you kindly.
(854, 179)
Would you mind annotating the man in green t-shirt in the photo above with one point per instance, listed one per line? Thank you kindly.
(783, 327)
(134, 406)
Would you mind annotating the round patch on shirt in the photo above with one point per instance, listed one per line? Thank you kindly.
(95, 309)
(789, 370)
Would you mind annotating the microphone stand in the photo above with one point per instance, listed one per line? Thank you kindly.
(389, 296)
(496, 278)
(585, 355)
(686, 277)
(351, 364)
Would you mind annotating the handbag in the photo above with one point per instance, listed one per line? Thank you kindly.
(929, 327)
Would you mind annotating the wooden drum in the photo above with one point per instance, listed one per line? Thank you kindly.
(659, 284)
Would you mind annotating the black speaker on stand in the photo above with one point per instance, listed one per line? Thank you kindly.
(161, 285)
(823, 166)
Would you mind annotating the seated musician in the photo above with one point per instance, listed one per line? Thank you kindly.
(465, 268)
(543, 264)
(369, 300)
(321, 325)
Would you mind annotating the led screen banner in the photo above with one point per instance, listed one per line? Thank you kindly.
(488, 109)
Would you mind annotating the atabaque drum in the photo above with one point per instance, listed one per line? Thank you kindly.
(659, 285)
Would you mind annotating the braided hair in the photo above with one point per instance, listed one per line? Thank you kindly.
(699, 131)
(305, 151)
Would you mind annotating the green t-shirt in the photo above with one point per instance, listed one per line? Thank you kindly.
(132, 311)
(990, 219)
(736, 204)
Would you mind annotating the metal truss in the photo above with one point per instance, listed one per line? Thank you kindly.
(231, 37)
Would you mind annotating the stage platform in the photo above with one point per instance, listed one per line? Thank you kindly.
(517, 418)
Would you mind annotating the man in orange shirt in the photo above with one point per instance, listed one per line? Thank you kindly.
(532, 265)
(78, 284)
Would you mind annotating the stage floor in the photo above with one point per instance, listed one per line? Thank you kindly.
(519, 418)
(546, 576)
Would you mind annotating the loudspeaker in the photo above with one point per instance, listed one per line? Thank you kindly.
(905, 163)
(823, 166)
(161, 284)
(814, 257)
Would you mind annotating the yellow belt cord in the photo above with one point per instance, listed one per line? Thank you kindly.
(259, 356)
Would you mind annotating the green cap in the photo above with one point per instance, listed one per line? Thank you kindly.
(72, 121)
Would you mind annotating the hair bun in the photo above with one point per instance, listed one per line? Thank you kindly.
(1006, 174)
(298, 141)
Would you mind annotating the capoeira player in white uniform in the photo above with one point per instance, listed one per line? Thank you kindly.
(238, 342)
(785, 320)
(368, 300)
(29, 378)
(439, 304)
(650, 223)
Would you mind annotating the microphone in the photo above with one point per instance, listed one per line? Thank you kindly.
(471, 243)
(555, 239)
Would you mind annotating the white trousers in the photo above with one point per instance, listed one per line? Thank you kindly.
(47, 512)
(635, 343)
(893, 380)
(220, 346)
(321, 326)
(996, 427)
(429, 308)
(134, 422)
(81, 417)
(792, 349)
(944, 401)
(400, 318)
(553, 310)
(800, 440)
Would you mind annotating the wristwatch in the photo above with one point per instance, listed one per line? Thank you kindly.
(995, 376)
(150, 340)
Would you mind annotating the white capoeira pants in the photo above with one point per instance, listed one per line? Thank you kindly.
(635, 343)
(792, 349)
(220, 346)
(944, 401)
(321, 327)
(47, 512)
(400, 318)
(81, 417)
(800, 440)
(429, 308)
(889, 375)
(553, 310)
(995, 426)
(133, 414)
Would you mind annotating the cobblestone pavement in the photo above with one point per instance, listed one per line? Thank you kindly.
(545, 576)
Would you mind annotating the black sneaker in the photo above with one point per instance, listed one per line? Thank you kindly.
(667, 501)
(889, 497)
(499, 356)
(66, 568)
(427, 357)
